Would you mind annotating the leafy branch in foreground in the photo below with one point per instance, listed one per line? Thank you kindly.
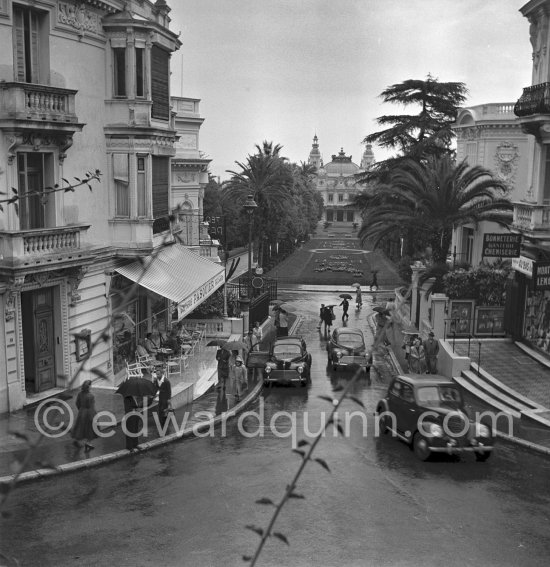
(305, 450)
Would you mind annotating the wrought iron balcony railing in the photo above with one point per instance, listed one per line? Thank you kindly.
(534, 100)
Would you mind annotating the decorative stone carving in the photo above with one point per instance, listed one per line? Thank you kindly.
(14, 289)
(470, 133)
(78, 17)
(73, 281)
(13, 141)
(506, 158)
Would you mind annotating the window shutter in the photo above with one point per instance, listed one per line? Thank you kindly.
(160, 77)
(19, 45)
(35, 67)
(161, 172)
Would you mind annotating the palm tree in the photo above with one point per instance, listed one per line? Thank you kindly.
(268, 178)
(431, 198)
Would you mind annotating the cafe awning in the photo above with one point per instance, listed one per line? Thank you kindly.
(177, 274)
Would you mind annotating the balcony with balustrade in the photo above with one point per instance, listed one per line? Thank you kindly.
(41, 245)
(532, 220)
(32, 106)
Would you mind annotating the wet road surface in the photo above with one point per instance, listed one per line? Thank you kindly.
(188, 503)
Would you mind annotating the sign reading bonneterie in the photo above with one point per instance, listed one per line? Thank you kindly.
(501, 245)
(541, 275)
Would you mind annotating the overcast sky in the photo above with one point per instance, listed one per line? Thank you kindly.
(284, 70)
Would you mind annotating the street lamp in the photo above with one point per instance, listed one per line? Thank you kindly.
(250, 206)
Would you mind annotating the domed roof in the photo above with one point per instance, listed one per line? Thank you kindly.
(341, 165)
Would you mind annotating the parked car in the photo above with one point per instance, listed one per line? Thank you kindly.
(347, 346)
(289, 362)
(427, 411)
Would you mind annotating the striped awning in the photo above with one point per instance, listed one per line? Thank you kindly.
(178, 274)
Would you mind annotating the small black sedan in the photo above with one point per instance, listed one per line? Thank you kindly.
(346, 347)
(427, 412)
(289, 361)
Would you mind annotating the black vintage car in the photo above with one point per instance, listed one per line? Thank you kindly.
(346, 347)
(427, 411)
(289, 362)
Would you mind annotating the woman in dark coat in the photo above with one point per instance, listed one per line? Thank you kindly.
(132, 423)
(328, 316)
(83, 428)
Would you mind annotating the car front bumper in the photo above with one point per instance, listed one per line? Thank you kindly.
(284, 376)
(457, 449)
(347, 360)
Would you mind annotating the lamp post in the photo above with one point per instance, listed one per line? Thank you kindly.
(250, 206)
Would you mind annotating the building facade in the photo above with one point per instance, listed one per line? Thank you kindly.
(336, 183)
(528, 303)
(67, 258)
(489, 135)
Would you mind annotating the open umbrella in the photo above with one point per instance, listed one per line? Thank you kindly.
(276, 302)
(216, 342)
(234, 345)
(355, 284)
(345, 296)
(138, 387)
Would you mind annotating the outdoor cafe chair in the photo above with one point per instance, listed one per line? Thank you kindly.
(134, 370)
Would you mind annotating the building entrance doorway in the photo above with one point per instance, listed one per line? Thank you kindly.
(37, 308)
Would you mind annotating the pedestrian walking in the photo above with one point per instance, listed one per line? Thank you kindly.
(249, 342)
(374, 280)
(83, 429)
(328, 317)
(237, 382)
(132, 419)
(345, 307)
(165, 397)
(222, 356)
(258, 335)
(431, 349)
(321, 315)
(358, 298)
(282, 329)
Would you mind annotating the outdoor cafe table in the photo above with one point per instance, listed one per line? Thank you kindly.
(164, 353)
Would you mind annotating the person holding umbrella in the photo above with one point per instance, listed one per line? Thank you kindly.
(282, 329)
(358, 296)
(345, 305)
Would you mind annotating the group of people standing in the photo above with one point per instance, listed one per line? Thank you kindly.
(422, 355)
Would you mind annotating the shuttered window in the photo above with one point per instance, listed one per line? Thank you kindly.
(160, 77)
(161, 172)
(26, 42)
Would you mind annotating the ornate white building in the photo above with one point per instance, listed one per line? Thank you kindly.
(337, 184)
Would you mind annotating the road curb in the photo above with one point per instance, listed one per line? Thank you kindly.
(523, 443)
(190, 431)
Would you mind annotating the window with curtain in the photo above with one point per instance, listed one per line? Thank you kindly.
(122, 184)
(141, 186)
(30, 44)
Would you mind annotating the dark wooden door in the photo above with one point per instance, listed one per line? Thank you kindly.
(44, 340)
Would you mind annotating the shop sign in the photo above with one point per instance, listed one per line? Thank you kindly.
(501, 245)
(200, 294)
(215, 226)
(542, 275)
(523, 265)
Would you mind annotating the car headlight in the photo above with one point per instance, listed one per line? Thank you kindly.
(435, 430)
(300, 369)
(267, 369)
(338, 354)
(483, 430)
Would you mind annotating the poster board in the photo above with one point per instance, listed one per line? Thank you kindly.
(489, 322)
(461, 317)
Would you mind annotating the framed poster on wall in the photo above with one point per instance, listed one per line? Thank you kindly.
(460, 318)
(489, 322)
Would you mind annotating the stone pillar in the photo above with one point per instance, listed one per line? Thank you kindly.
(437, 320)
(417, 270)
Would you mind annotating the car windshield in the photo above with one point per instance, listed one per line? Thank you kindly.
(287, 351)
(439, 395)
(352, 340)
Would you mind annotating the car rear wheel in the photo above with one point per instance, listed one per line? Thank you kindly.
(421, 447)
(482, 457)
